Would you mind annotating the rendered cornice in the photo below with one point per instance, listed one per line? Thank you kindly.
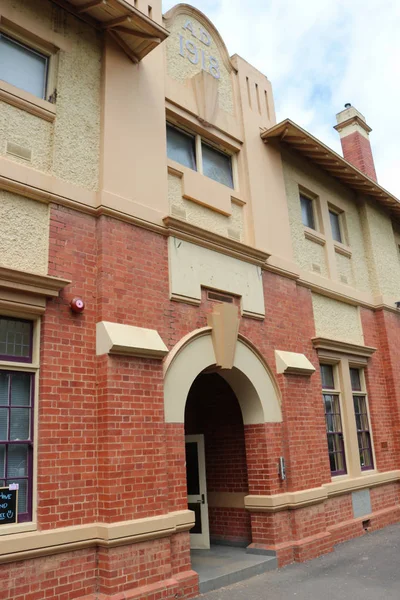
(20, 546)
(32, 283)
(324, 344)
(213, 241)
(354, 119)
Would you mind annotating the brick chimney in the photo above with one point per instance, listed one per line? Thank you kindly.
(354, 137)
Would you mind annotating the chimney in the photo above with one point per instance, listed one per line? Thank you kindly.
(354, 137)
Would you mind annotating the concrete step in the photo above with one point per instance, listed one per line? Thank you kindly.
(223, 565)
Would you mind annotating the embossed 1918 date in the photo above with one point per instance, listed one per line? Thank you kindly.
(189, 50)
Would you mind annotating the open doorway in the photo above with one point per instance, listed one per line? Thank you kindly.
(216, 468)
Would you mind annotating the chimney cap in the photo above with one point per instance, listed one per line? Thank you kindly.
(347, 105)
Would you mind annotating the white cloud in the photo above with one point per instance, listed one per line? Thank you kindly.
(318, 55)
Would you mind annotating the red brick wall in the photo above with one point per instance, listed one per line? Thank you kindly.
(67, 449)
(357, 150)
(60, 577)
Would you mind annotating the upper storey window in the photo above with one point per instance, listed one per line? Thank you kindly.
(23, 67)
(307, 212)
(181, 146)
(217, 165)
(193, 152)
(335, 226)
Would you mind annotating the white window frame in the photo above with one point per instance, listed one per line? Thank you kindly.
(199, 139)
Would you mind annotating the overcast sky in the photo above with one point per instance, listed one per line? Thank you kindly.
(320, 54)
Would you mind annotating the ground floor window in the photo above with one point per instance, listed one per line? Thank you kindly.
(346, 416)
(16, 412)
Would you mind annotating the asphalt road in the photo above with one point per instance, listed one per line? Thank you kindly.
(367, 568)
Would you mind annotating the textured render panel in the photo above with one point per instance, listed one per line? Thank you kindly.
(180, 68)
(192, 267)
(28, 131)
(361, 503)
(306, 252)
(383, 255)
(202, 216)
(336, 320)
(299, 172)
(345, 270)
(315, 257)
(24, 233)
(69, 147)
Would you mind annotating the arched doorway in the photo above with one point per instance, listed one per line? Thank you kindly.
(216, 468)
(191, 371)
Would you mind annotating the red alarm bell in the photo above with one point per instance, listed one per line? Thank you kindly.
(77, 305)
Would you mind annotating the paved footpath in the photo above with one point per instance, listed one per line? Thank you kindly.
(367, 568)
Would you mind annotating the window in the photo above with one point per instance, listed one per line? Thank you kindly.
(23, 67)
(16, 413)
(181, 147)
(193, 152)
(335, 226)
(307, 212)
(217, 165)
(333, 420)
(362, 421)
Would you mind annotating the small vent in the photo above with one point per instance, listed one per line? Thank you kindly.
(219, 297)
(344, 279)
(316, 268)
(20, 151)
(366, 524)
(178, 212)
(234, 234)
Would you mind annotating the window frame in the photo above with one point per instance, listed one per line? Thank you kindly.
(340, 222)
(362, 393)
(335, 391)
(21, 359)
(32, 50)
(39, 46)
(305, 196)
(27, 516)
(199, 140)
(31, 368)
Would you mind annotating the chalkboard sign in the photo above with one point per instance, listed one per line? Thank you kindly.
(8, 506)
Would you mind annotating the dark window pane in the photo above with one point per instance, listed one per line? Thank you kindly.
(4, 381)
(19, 424)
(328, 381)
(217, 165)
(15, 339)
(17, 460)
(2, 461)
(192, 469)
(21, 389)
(335, 225)
(355, 379)
(23, 67)
(307, 213)
(181, 147)
(3, 423)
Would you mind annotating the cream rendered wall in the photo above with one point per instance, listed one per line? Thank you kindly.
(383, 256)
(69, 147)
(201, 216)
(24, 239)
(337, 320)
(300, 172)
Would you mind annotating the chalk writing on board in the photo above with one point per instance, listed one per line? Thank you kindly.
(8, 505)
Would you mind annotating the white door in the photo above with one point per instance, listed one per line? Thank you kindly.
(197, 491)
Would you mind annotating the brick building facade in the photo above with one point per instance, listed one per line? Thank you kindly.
(234, 375)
